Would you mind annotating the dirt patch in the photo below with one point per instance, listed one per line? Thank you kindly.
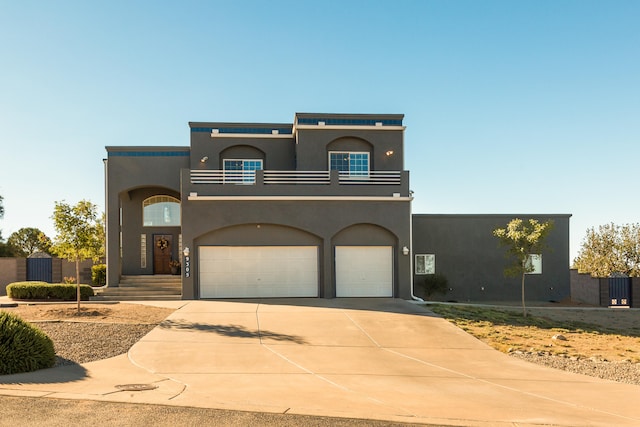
(600, 334)
(91, 312)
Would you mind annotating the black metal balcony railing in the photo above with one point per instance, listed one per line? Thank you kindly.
(273, 177)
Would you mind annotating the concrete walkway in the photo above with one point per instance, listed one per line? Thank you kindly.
(357, 358)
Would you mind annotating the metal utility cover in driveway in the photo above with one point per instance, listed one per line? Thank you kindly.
(258, 271)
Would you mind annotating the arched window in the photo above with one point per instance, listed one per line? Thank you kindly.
(161, 211)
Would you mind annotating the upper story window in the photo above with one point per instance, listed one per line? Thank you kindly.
(161, 211)
(353, 163)
(242, 171)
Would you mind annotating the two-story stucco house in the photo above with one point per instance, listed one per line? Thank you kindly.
(315, 208)
(320, 207)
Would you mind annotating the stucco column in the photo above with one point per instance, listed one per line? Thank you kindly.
(327, 280)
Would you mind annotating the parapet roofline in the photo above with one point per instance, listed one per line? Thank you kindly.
(119, 148)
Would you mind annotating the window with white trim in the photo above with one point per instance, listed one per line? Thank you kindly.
(161, 211)
(425, 264)
(352, 163)
(535, 262)
(241, 171)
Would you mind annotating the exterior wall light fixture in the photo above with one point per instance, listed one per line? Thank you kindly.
(389, 153)
(186, 252)
(405, 250)
(204, 159)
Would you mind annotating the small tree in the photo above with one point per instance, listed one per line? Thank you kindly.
(522, 239)
(610, 249)
(79, 235)
(5, 249)
(28, 241)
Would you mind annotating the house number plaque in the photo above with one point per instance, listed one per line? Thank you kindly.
(187, 266)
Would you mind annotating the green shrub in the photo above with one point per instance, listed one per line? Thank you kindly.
(43, 290)
(23, 347)
(434, 284)
(99, 275)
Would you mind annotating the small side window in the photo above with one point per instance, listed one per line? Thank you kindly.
(425, 264)
(535, 262)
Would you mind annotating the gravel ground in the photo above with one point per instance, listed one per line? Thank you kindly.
(83, 342)
(623, 372)
(37, 412)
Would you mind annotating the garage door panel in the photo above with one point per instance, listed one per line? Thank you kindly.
(258, 271)
(364, 271)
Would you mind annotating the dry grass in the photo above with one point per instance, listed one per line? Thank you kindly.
(92, 312)
(604, 334)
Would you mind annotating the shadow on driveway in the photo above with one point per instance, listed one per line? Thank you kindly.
(230, 331)
(58, 374)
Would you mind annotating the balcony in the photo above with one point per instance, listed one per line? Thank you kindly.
(296, 183)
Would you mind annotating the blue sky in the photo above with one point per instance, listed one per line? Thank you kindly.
(511, 106)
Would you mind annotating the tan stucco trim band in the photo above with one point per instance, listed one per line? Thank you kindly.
(303, 198)
(253, 135)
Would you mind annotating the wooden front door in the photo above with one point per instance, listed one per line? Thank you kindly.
(162, 249)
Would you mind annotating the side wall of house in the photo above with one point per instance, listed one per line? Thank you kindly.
(467, 253)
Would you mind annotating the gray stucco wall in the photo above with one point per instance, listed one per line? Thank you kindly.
(127, 170)
(279, 151)
(325, 215)
(312, 152)
(468, 254)
(322, 223)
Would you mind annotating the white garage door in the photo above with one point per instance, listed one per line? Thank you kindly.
(364, 271)
(258, 271)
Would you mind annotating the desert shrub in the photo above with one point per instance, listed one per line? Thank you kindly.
(99, 275)
(434, 284)
(43, 290)
(23, 347)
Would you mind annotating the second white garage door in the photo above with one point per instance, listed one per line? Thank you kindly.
(364, 271)
(258, 271)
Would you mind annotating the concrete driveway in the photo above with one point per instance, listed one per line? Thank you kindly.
(365, 358)
(358, 358)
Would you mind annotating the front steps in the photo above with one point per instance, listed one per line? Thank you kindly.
(142, 288)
